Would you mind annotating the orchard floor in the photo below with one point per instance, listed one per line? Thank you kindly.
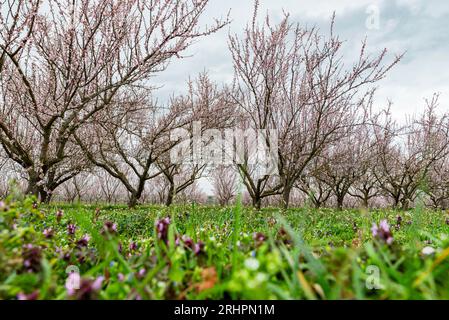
(196, 252)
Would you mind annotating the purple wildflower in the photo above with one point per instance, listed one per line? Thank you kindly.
(188, 242)
(162, 228)
(88, 289)
(398, 222)
(66, 256)
(259, 237)
(71, 229)
(198, 248)
(48, 233)
(98, 283)
(83, 242)
(141, 273)
(31, 258)
(132, 246)
(32, 296)
(109, 227)
(59, 215)
(382, 232)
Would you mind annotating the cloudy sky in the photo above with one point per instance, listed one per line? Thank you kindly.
(418, 27)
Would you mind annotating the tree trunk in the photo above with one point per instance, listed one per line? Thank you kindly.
(133, 200)
(396, 200)
(257, 202)
(37, 190)
(286, 196)
(405, 204)
(169, 200)
(44, 196)
(340, 200)
(365, 202)
(170, 195)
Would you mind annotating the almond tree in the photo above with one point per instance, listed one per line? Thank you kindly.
(405, 155)
(72, 60)
(292, 79)
(339, 170)
(211, 111)
(316, 191)
(17, 21)
(178, 177)
(224, 182)
(347, 165)
(133, 143)
(127, 144)
(437, 184)
(366, 186)
(109, 186)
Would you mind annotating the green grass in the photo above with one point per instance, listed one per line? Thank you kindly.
(211, 253)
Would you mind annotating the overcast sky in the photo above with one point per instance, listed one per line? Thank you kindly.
(419, 27)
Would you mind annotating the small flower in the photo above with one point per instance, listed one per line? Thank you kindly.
(83, 242)
(109, 227)
(162, 228)
(382, 232)
(31, 258)
(71, 229)
(48, 233)
(141, 273)
(398, 222)
(97, 284)
(427, 251)
(121, 277)
(88, 289)
(284, 236)
(252, 264)
(447, 221)
(35, 205)
(132, 246)
(259, 237)
(32, 296)
(59, 215)
(66, 256)
(188, 242)
(198, 248)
